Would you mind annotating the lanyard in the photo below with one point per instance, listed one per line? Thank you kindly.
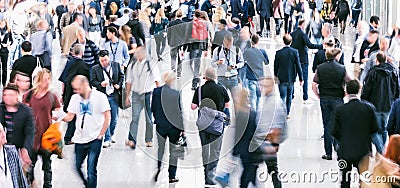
(5, 163)
(112, 51)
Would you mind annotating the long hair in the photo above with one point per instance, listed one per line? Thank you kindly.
(114, 8)
(393, 149)
(126, 34)
(39, 78)
(159, 16)
(144, 17)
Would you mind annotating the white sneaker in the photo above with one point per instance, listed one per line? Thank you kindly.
(113, 139)
(106, 144)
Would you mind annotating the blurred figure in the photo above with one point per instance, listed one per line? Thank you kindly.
(6, 41)
(356, 8)
(157, 29)
(23, 83)
(176, 41)
(342, 12)
(381, 88)
(353, 125)
(43, 41)
(95, 26)
(166, 107)
(362, 32)
(42, 102)
(264, 10)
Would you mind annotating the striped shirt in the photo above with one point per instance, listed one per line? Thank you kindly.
(91, 54)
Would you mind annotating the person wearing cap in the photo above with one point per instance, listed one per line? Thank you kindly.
(320, 57)
(220, 34)
(328, 86)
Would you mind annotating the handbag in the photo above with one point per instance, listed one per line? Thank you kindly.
(37, 69)
(51, 140)
(210, 120)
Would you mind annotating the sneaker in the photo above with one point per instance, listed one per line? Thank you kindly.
(113, 139)
(223, 180)
(327, 157)
(130, 144)
(149, 144)
(106, 144)
(173, 180)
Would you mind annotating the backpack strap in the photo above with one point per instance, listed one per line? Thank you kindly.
(237, 55)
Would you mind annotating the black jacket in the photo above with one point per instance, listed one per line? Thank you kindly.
(365, 45)
(245, 129)
(75, 66)
(175, 33)
(331, 78)
(207, 7)
(287, 65)
(320, 58)
(353, 125)
(381, 87)
(97, 76)
(393, 125)
(24, 127)
(301, 42)
(137, 31)
(166, 109)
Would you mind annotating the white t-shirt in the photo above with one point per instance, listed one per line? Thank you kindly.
(142, 79)
(93, 109)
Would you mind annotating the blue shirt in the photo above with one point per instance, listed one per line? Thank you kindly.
(118, 52)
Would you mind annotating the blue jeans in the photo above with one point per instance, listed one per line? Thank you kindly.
(114, 117)
(286, 93)
(379, 138)
(355, 16)
(195, 57)
(304, 68)
(254, 93)
(92, 151)
(138, 103)
(328, 107)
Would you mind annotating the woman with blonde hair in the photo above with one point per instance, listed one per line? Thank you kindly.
(113, 11)
(42, 102)
(158, 29)
(126, 35)
(144, 18)
(218, 15)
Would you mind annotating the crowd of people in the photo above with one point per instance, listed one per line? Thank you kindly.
(110, 67)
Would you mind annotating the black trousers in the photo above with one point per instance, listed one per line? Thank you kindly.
(46, 167)
(4, 60)
(346, 175)
(267, 22)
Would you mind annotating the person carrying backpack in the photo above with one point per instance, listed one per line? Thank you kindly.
(342, 11)
(326, 12)
(356, 8)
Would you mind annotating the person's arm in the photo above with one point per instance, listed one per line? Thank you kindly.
(315, 62)
(69, 117)
(215, 59)
(266, 59)
(391, 125)
(309, 44)
(29, 132)
(299, 69)
(95, 53)
(94, 79)
(107, 119)
(367, 88)
(315, 85)
(276, 65)
(195, 100)
(125, 53)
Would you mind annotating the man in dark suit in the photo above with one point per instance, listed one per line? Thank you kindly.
(75, 66)
(220, 35)
(353, 125)
(301, 42)
(175, 40)
(168, 118)
(108, 79)
(286, 68)
(264, 9)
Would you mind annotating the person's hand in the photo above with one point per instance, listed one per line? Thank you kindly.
(116, 86)
(364, 60)
(301, 83)
(127, 101)
(390, 59)
(26, 160)
(104, 84)
(220, 62)
(205, 53)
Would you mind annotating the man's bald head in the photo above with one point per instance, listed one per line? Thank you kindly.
(210, 74)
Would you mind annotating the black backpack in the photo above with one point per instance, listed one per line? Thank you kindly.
(358, 4)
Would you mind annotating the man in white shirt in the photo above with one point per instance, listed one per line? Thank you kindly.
(141, 78)
(92, 112)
